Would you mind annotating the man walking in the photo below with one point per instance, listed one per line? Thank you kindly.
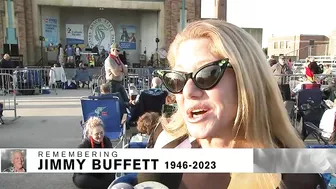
(115, 72)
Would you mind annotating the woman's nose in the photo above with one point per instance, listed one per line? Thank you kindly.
(190, 90)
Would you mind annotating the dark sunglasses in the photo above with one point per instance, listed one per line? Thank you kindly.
(205, 78)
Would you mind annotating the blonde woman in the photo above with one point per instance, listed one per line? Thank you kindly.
(95, 138)
(227, 98)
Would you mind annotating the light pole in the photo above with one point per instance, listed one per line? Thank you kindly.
(183, 15)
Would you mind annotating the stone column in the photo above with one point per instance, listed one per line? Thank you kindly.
(19, 8)
(221, 9)
(30, 32)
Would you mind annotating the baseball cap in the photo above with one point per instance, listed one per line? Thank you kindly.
(115, 46)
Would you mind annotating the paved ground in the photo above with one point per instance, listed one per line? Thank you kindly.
(46, 121)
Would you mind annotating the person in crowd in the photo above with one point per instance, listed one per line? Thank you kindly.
(115, 71)
(95, 138)
(281, 68)
(313, 66)
(146, 125)
(95, 50)
(327, 123)
(60, 54)
(272, 61)
(82, 76)
(327, 69)
(156, 88)
(105, 89)
(69, 53)
(17, 160)
(78, 51)
(290, 64)
(225, 99)
(6, 62)
(7, 65)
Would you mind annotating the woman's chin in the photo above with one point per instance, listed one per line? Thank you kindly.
(198, 131)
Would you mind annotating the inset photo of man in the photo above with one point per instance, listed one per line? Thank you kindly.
(13, 161)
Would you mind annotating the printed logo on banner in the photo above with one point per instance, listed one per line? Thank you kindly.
(74, 34)
(101, 32)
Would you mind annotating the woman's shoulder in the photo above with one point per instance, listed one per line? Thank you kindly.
(165, 140)
(85, 144)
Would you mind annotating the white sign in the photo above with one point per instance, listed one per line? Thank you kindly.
(139, 160)
(101, 33)
(75, 33)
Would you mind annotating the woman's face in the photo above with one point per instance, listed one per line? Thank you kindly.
(97, 133)
(218, 105)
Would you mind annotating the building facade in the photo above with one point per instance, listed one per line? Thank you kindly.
(91, 22)
(300, 46)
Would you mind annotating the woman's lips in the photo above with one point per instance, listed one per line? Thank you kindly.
(197, 114)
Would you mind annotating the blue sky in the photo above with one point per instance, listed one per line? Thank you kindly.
(280, 17)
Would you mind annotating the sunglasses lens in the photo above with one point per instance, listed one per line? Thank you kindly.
(174, 82)
(207, 77)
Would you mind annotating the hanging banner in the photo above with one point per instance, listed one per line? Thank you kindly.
(50, 31)
(74, 34)
(101, 33)
(127, 37)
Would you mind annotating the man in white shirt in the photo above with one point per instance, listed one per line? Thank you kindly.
(327, 121)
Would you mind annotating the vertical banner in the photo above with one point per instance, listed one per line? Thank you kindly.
(74, 34)
(13, 160)
(127, 37)
(50, 31)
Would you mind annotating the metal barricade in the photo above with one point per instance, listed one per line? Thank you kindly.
(8, 93)
(30, 81)
(139, 77)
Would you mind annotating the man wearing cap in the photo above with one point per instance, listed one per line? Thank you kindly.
(115, 71)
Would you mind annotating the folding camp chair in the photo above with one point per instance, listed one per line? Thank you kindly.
(309, 109)
(108, 109)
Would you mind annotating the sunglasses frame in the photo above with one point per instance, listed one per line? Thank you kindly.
(223, 64)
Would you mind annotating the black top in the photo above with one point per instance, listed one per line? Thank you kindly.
(87, 144)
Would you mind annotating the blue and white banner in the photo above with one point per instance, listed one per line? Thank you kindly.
(127, 37)
(50, 31)
(74, 34)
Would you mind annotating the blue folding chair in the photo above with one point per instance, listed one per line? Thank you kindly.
(107, 109)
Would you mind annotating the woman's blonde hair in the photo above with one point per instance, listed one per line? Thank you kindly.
(261, 120)
(91, 123)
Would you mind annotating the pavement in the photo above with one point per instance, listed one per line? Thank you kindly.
(46, 121)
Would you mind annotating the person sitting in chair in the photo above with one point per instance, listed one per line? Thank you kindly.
(95, 138)
(155, 89)
(150, 100)
(82, 76)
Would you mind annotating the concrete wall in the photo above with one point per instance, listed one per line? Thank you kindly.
(149, 31)
(332, 44)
